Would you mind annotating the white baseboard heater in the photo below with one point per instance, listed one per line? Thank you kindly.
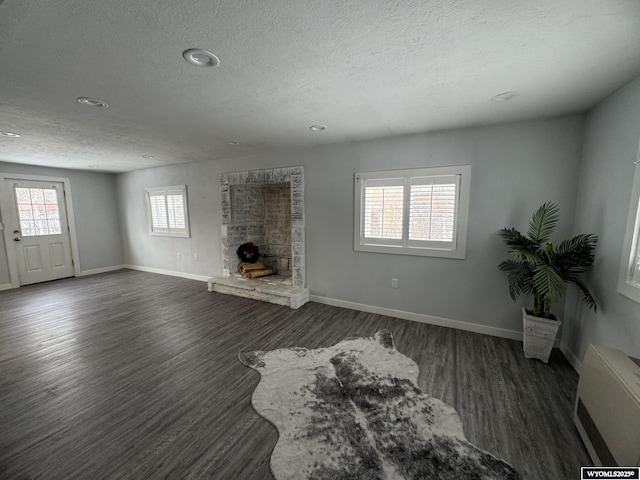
(607, 410)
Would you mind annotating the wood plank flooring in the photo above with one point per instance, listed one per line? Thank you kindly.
(132, 375)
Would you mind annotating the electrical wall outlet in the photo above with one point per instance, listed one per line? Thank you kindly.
(178, 255)
(394, 283)
(195, 256)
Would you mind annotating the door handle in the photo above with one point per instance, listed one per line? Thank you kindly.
(17, 239)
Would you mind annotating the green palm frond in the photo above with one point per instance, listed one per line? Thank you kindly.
(578, 243)
(548, 283)
(519, 246)
(524, 254)
(543, 223)
(573, 257)
(519, 277)
(511, 236)
(586, 294)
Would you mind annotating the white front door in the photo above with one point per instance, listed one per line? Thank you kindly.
(39, 230)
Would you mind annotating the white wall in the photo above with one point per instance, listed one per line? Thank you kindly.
(515, 168)
(94, 205)
(611, 137)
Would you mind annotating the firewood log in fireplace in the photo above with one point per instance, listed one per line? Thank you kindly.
(259, 273)
(254, 270)
(244, 267)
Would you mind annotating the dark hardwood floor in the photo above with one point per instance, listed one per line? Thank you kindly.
(134, 375)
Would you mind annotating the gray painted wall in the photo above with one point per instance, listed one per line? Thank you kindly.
(94, 205)
(515, 168)
(611, 142)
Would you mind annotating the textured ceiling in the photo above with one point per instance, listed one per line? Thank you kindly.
(365, 68)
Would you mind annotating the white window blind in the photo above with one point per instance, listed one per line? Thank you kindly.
(383, 210)
(414, 212)
(433, 208)
(175, 211)
(168, 211)
(629, 276)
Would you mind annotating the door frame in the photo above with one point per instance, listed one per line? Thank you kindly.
(6, 202)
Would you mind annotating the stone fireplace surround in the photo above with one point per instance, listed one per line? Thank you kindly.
(261, 221)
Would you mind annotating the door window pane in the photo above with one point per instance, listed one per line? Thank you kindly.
(38, 211)
(22, 195)
(37, 196)
(41, 227)
(50, 197)
(27, 228)
(54, 227)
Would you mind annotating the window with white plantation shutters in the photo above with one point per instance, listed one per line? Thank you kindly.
(629, 276)
(413, 212)
(167, 208)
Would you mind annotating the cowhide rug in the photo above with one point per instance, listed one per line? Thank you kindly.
(353, 411)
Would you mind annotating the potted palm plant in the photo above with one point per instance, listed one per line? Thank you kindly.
(539, 268)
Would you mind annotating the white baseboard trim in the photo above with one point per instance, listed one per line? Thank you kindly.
(5, 286)
(570, 356)
(173, 273)
(418, 317)
(95, 271)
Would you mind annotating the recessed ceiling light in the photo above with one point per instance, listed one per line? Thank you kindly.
(93, 166)
(200, 58)
(146, 156)
(10, 134)
(233, 144)
(317, 128)
(503, 97)
(93, 102)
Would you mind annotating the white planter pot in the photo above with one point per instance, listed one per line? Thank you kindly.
(539, 335)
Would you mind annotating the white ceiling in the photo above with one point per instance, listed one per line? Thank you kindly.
(365, 68)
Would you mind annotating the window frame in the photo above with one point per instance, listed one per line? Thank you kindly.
(455, 249)
(631, 246)
(168, 231)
